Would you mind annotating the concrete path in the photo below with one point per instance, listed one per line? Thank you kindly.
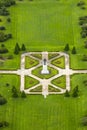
(44, 82)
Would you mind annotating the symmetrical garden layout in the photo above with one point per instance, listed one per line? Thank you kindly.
(44, 84)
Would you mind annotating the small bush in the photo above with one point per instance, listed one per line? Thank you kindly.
(2, 28)
(2, 100)
(4, 124)
(84, 121)
(67, 94)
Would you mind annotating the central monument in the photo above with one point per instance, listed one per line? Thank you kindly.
(44, 63)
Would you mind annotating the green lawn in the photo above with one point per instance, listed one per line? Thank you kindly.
(12, 80)
(46, 25)
(35, 112)
(76, 61)
(10, 64)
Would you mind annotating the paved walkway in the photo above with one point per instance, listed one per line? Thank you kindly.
(44, 82)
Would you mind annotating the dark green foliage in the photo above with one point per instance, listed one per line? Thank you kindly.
(67, 94)
(8, 20)
(74, 50)
(0, 20)
(7, 3)
(7, 84)
(17, 49)
(85, 44)
(85, 82)
(66, 47)
(2, 28)
(23, 48)
(84, 58)
(4, 11)
(80, 3)
(23, 95)
(10, 56)
(83, 25)
(2, 100)
(4, 37)
(75, 92)
(4, 124)
(84, 121)
(14, 92)
(3, 49)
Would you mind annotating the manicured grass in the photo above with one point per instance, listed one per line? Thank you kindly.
(39, 56)
(45, 25)
(60, 82)
(10, 64)
(12, 80)
(38, 70)
(77, 63)
(30, 82)
(54, 112)
(30, 62)
(52, 89)
(59, 62)
(37, 89)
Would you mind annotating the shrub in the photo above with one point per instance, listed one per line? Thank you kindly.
(2, 28)
(75, 92)
(74, 50)
(4, 123)
(2, 100)
(3, 50)
(80, 3)
(8, 20)
(23, 95)
(67, 94)
(84, 58)
(14, 92)
(84, 121)
(23, 48)
(17, 49)
(66, 47)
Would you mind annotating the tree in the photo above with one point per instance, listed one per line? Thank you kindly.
(74, 50)
(4, 123)
(84, 58)
(14, 92)
(23, 95)
(17, 49)
(23, 48)
(66, 47)
(67, 94)
(8, 20)
(84, 121)
(2, 100)
(2, 37)
(85, 44)
(75, 92)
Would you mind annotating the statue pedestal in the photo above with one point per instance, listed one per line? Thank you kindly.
(45, 70)
(44, 63)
